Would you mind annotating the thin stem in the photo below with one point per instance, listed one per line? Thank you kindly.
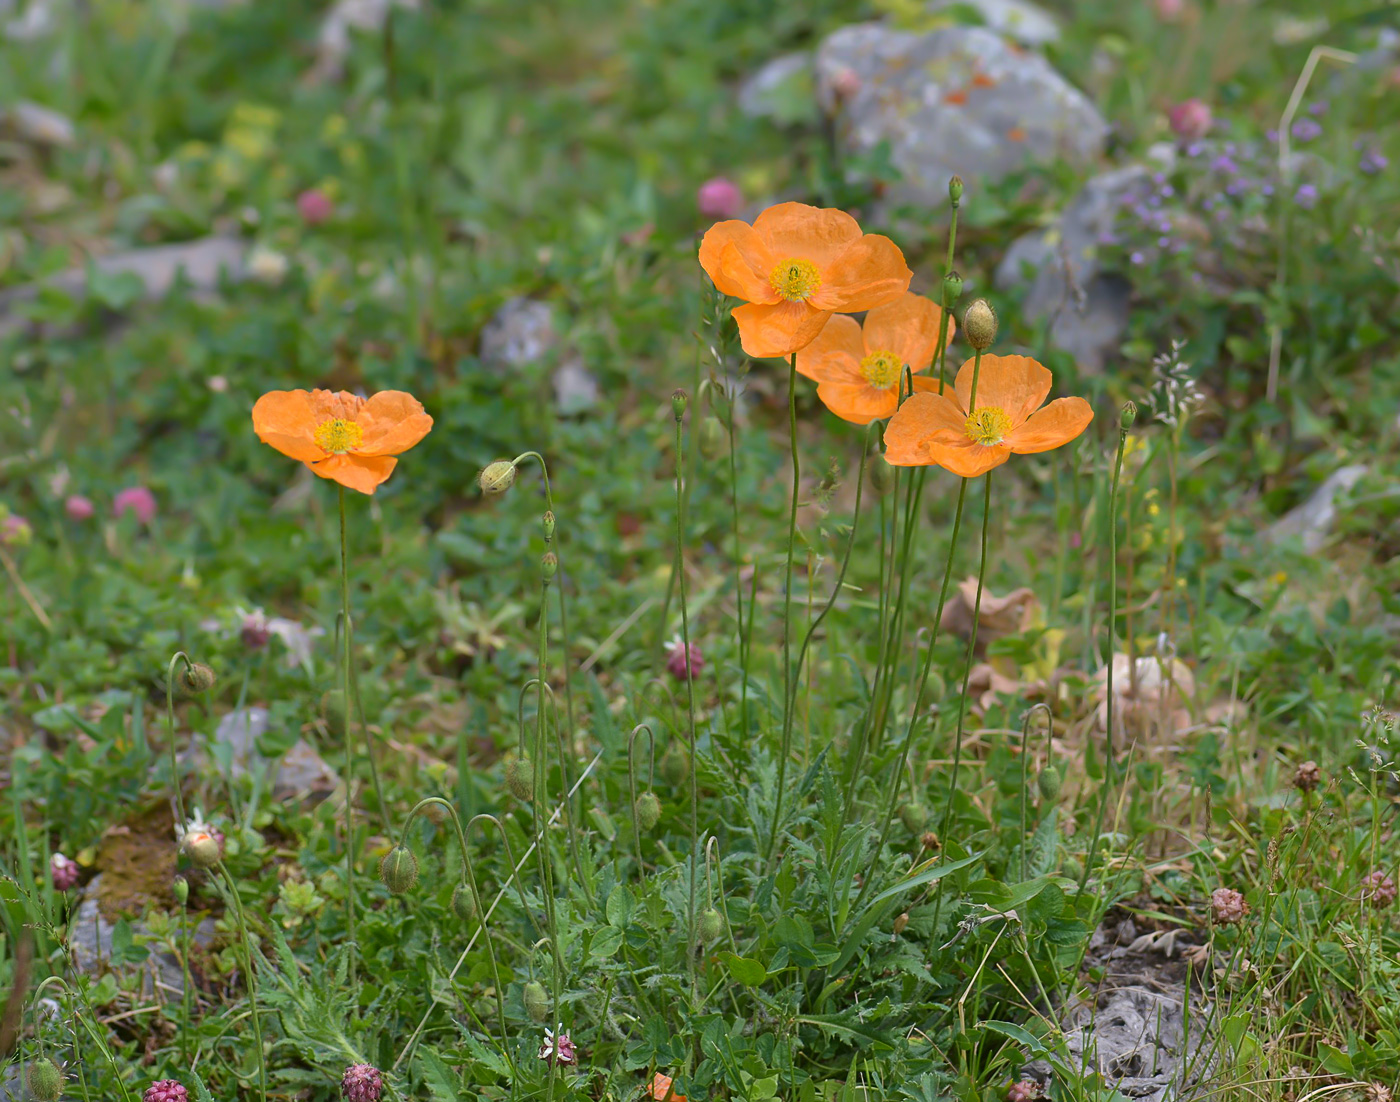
(252, 977)
(349, 743)
(178, 656)
(691, 918)
(787, 610)
(738, 568)
(942, 346)
(1112, 616)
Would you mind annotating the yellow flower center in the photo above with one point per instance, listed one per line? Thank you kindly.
(338, 437)
(795, 280)
(881, 369)
(989, 426)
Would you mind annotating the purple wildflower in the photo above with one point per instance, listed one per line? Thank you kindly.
(1305, 130)
(1306, 197)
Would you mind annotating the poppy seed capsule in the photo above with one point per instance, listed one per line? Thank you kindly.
(1128, 416)
(549, 566)
(497, 478)
(713, 438)
(955, 190)
(952, 289)
(181, 887)
(520, 777)
(45, 1080)
(648, 809)
(463, 903)
(711, 924)
(679, 398)
(536, 1001)
(547, 521)
(399, 870)
(980, 325)
(1049, 782)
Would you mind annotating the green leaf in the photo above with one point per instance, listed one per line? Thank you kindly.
(1066, 931)
(747, 971)
(1034, 1047)
(437, 1076)
(620, 907)
(606, 941)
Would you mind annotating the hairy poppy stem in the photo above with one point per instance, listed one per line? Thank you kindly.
(1125, 422)
(252, 975)
(691, 916)
(940, 348)
(787, 612)
(349, 743)
(178, 656)
(738, 568)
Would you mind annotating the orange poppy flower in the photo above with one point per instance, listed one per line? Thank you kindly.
(956, 98)
(858, 369)
(342, 436)
(794, 267)
(937, 428)
(660, 1089)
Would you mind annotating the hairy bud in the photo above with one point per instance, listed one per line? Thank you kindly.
(463, 903)
(45, 1080)
(648, 809)
(520, 777)
(980, 325)
(497, 478)
(399, 870)
(675, 764)
(914, 816)
(536, 1001)
(195, 678)
(549, 566)
(711, 924)
(881, 475)
(1049, 782)
(547, 521)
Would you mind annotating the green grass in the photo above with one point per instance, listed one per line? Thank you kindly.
(491, 150)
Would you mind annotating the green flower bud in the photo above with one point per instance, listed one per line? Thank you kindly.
(1049, 782)
(901, 921)
(952, 289)
(536, 1001)
(711, 924)
(399, 870)
(195, 678)
(497, 478)
(679, 398)
(549, 566)
(914, 816)
(1072, 867)
(980, 325)
(1128, 416)
(181, 887)
(463, 903)
(713, 438)
(648, 809)
(675, 765)
(520, 777)
(333, 711)
(548, 521)
(955, 190)
(45, 1080)
(881, 475)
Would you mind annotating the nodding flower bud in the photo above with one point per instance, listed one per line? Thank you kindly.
(648, 809)
(713, 438)
(497, 478)
(463, 903)
(980, 325)
(1049, 782)
(914, 816)
(675, 764)
(881, 475)
(547, 521)
(901, 921)
(195, 678)
(399, 870)
(333, 711)
(181, 887)
(520, 777)
(711, 924)
(679, 398)
(45, 1080)
(1128, 416)
(549, 566)
(955, 190)
(536, 1001)
(952, 289)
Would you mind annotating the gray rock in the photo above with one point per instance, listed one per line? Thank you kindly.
(333, 39)
(575, 387)
(1312, 521)
(90, 938)
(1016, 19)
(918, 93)
(36, 21)
(1087, 307)
(33, 122)
(521, 332)
(299, 772)
(781, 90)
(202, 263)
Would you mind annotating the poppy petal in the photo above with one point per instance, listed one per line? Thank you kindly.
(1058, 423)
(923, 417)
(737, 261)
(908, 327)
(1016, 384)
(796, 230)
(326, 404)
(781, 330)
(357, 472)
(860, 403)
(871, 272)
(393, 422)
(967, 460)
(836, 353)
(285, 420)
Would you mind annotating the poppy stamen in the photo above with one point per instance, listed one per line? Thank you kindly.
(881, 369)
(795, 280)
(338, 436)
(988, 426)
